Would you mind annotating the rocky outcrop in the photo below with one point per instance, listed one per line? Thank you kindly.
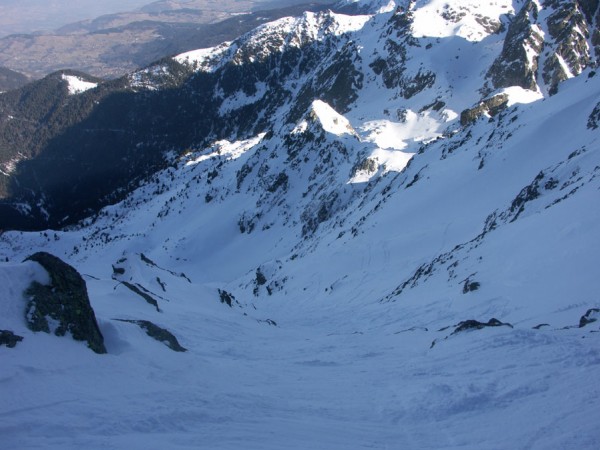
(471, 324)
(9, 338)
(476, 325)
(517, 64)
(470, 286)
(571, 43)
(227, 298)
(142, 292)
(490, 106)
(594, 118)
(392, 68)
(158, 333)
(569, 27)
(592, 315)
(63, 306)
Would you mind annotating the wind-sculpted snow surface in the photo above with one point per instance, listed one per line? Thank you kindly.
(373, 276)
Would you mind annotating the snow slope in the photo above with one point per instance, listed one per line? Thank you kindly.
(350, 246)
(76, 85)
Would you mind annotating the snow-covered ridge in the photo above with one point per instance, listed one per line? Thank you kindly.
(373, 6)
(205, 59)
(274, 36)
(76, 85)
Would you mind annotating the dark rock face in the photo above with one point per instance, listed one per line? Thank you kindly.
(227, 298)
(570, 31)
(158, 333)
(139, 290)
(571, 26)
(588, 7)
(470, 286)
(64, 306)
(392, 68)
(592, 315)
(491, 106)
(476, 325)
(594, 118)
(9, 339)
(513, 67)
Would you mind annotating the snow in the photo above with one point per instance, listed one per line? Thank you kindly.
(376, 6)
(564, 66)
(341, 369)
(398, 135)
(391, 5)
(231, 150)
(443, 18)
(15, 278)
(77, 85)
(204, 57)
(518, 95)
(331, 121)
(351, 362)
(295, 29)
(240, 99)
(390, 161)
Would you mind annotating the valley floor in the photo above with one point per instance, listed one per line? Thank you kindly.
(322, 380)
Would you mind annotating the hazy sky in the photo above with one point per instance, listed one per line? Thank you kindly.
(26, 16)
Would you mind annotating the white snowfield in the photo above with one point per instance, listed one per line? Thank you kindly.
(76, 85)
(341, 335)
(466, 19)
(331, 121)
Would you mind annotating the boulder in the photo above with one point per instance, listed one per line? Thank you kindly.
(592, 315)
(9, 338)
(63, 306)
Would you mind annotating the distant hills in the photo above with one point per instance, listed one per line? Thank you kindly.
(112, 45)
(9, 79)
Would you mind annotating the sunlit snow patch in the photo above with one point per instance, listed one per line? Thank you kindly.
(331, 121)
(232, 150)
(76, 85)
(517, 94)
(469, 19)
(416, 127)
(204, 59)
(382, 161)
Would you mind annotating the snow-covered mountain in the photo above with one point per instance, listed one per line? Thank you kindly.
(381, 233)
